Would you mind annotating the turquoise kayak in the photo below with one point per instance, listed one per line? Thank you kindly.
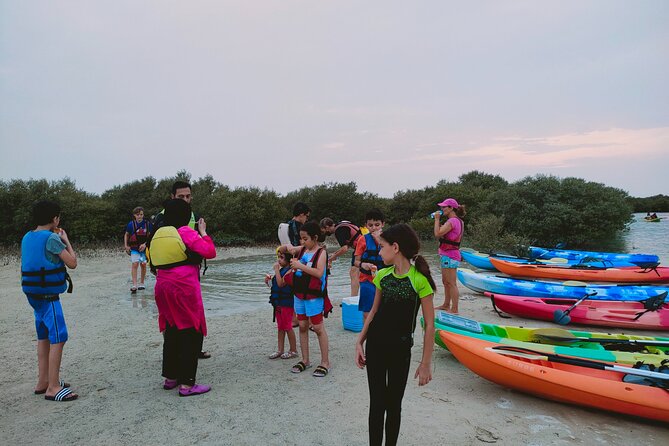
(489, 282)
(569, 254)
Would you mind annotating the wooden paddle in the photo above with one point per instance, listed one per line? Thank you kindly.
(566, 336)
(540, 356)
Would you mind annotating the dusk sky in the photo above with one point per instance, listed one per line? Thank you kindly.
(284, 94)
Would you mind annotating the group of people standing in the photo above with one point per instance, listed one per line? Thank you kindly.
(392, 279)
(393, 282)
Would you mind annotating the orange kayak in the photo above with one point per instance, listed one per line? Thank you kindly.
(574, 384)
(632, 274)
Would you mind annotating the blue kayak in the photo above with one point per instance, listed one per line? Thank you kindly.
(549, 253)
(482, 261)
(482, 282)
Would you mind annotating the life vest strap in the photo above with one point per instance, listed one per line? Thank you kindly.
(444, 241)
(43, 283)
(43, 272)
(51, 283)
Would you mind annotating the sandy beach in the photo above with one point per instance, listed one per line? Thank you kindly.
(113, 361)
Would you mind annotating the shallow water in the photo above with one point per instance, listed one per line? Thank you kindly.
(234, 283)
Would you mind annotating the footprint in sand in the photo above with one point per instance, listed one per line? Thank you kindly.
(503, 403)
(486, 436)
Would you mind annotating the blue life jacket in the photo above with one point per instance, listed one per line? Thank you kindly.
(371, 255)
(281, 296)
(38, 274)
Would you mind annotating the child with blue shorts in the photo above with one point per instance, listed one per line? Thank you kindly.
(368, 259)
(137, 233)
(45, 253)
(309, 283)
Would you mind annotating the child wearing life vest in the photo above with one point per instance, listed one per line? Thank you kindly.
(137, 233)
(368, 259)
(347, 235)
(281, 298)
(45, 252)
(176, 251)
(309, 282)
(384, 344)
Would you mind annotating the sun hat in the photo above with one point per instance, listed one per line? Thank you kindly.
(449, 202)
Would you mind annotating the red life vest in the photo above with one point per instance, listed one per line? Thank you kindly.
(139, 234)
(306, 286)
(355, 231)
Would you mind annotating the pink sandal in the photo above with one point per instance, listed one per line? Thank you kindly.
(197, 389)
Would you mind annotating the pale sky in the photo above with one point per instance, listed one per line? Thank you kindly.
(285, 94)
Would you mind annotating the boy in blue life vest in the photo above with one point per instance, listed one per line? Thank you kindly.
(281, 298)
(368, 259)
(45, 252)
(137, 233)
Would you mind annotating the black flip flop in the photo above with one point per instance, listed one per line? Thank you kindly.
(65, 394)
(299, 367)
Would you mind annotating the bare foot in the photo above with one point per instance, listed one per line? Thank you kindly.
(442, 308)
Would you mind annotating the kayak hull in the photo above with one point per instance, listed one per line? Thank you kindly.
(600, 389)
(548, 253)
(527, 337)
(589, 312)
(482, 261)
(587, 274)
(491, 283)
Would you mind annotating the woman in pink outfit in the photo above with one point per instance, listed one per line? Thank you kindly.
(449, 235)
(178, 295)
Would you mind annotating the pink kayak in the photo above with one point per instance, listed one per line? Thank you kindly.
(606, 313)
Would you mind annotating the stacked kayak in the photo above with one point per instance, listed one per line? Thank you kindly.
(571, 380)
(622, 314)
(593, 273)
(550, 253)
(626, 349)
(492, 283)
(483, 261)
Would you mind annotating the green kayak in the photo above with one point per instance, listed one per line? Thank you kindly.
(625, 349)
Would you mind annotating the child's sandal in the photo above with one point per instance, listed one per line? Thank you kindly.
(275, 355)
(300, 367)
(320, 372)
(289, 355)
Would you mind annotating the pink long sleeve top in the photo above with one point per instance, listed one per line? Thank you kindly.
(178, 292)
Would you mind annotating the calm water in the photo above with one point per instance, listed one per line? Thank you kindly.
(234, 283)
(649, 238)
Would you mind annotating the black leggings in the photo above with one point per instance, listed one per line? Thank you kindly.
(180, 352)
(387, 373)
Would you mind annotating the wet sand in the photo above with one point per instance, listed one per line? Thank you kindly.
(113, 361)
